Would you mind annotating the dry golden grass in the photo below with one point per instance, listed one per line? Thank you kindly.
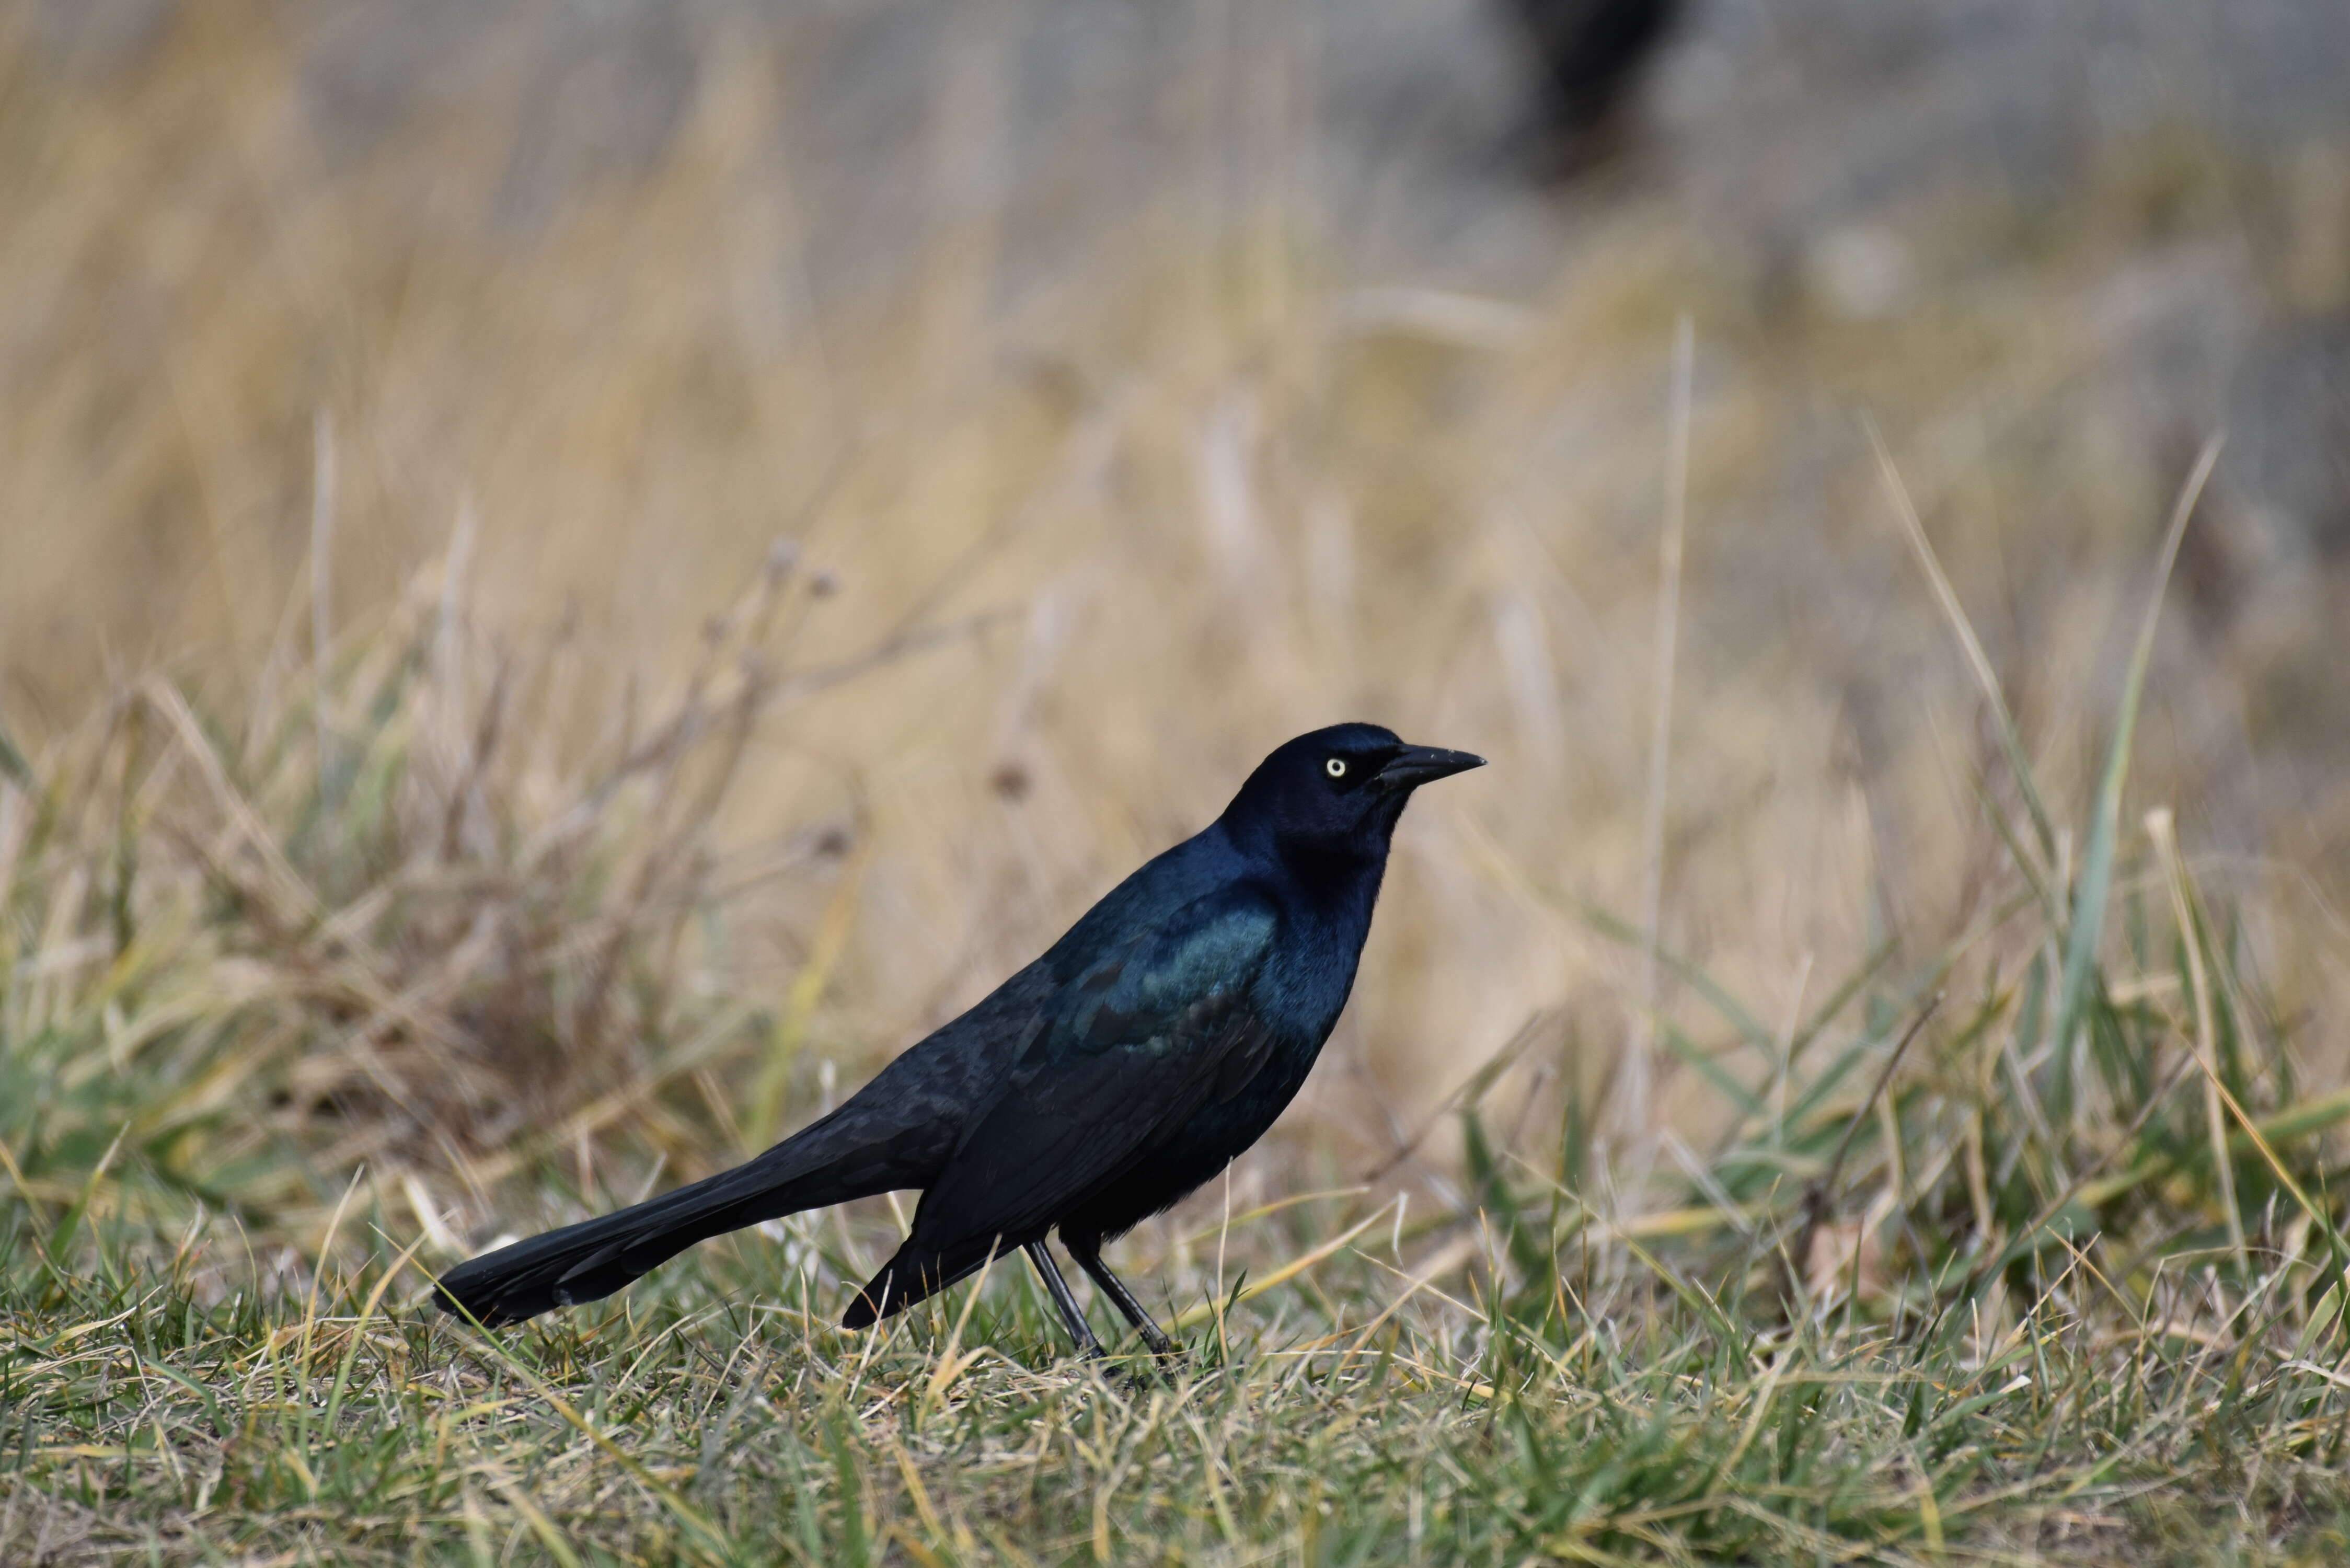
(1070, 547)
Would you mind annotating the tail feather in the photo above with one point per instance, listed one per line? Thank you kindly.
(913, 1274)
(595, 1257)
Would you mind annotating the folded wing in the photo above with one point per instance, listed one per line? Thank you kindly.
(1131, 1047)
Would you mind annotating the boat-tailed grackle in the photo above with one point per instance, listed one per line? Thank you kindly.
(1155, 1041)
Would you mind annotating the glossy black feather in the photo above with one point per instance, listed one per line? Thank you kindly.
(1156, 1040)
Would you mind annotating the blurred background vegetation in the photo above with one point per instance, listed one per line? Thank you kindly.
(573, 576)
(576, 573)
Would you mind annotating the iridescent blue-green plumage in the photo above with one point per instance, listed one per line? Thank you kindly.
(1159, 1037)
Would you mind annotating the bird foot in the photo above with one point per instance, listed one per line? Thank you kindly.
(1138, 1374)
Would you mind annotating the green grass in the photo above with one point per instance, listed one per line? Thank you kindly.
(2077, 1409)
(2027, 1248)
(696, 1429)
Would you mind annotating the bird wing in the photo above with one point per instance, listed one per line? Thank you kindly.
(1135, 1042)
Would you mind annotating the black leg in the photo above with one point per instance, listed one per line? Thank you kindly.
(1090, 1259)
(1058, 1289)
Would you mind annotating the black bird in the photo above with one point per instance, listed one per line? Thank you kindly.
(1155, 1041)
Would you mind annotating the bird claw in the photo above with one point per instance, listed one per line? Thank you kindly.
(1132, 1375)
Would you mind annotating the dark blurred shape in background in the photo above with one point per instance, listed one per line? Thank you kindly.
(1586, 58)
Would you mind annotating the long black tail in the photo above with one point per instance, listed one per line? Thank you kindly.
(842, 1156)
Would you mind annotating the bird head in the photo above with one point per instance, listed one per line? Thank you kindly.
(1335, 792)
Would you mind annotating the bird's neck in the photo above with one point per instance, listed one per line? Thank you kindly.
(1327, 880)
(1337, 881)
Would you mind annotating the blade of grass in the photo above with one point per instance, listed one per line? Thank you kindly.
(1471, 1090)
(1747, 1104)
(699, 1531)
(2319, 1219)
(2161, 829)
(1822, 1190)
(1194, 1316)
(13, 765)
(549, 1535)
(2010, 739)
(833, 930)
(358, 1330)
(1632, 1112)
(2087, 923)
(1755, 1031)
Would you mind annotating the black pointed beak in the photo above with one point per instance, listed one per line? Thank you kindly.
(1416, 765)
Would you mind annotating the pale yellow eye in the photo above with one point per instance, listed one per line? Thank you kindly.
(1336, 767)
